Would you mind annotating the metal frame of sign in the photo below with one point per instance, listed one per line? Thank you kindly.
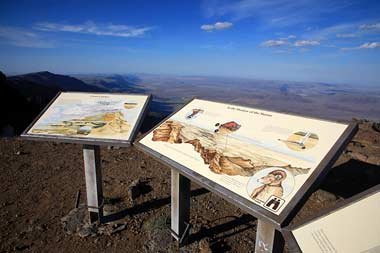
(261, 213)
(86, 140)
(287, 231)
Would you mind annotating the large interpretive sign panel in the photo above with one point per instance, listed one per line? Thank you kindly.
(261, 156)
(353, 227)
(90, 117)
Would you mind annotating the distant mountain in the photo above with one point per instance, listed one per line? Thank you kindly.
(16, 110)
(40, 87)
(47, 79)
(22, 97)
(113, 83)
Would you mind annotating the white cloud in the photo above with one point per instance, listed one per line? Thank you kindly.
(375, 26)
(20, 37)
(346, 35)
(303, 43)
(331, 32)
(273, 12)
(217, 26)
(285, 42)
(370, 45)
(93, 28)
(274, 43)
(222, 25)
(367, 45)
(344, 31)
(207, 27)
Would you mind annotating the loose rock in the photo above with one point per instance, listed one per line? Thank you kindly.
(323, 196)
(376, 126)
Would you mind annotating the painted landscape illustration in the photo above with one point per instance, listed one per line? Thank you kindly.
(260, 155)
(300, 141)
(106, 124)
(227, 152)
(108, 118)
(235, 158)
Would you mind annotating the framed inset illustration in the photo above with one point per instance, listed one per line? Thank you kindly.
(263, 161)
(351, 226)
(90, 118)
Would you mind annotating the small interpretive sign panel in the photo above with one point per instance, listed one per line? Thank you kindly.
(353, 226)
(90, 118)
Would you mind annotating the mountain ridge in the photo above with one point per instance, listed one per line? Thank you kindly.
(23, 97)
(48, 79)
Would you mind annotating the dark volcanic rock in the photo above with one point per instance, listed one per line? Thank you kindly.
(376, 126)
(3, 78)
(137, 188)
(74, 220)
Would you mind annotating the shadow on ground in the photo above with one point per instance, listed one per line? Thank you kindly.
(148, 206)
(345, 180)
(221, 229)
(351, 178)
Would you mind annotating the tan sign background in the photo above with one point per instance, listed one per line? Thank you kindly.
(263, 156)
(91, 115)
(355, 228)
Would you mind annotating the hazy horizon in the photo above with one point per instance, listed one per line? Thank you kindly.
(370, 86)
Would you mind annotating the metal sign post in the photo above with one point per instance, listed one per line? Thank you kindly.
(180, 205)
(93, 175)
(268, 239)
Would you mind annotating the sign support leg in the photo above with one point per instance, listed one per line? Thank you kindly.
(268, 239)
(93, 175)
(180, 205)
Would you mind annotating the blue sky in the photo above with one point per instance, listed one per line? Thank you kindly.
(301, 40)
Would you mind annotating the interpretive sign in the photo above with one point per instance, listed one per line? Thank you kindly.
(352, 226)
(263, 160)
(90, 118)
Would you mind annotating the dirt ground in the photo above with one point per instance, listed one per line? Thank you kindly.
(40, 180)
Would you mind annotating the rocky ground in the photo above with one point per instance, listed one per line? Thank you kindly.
(40, 180)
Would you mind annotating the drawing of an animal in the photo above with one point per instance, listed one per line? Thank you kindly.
(271, 186)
